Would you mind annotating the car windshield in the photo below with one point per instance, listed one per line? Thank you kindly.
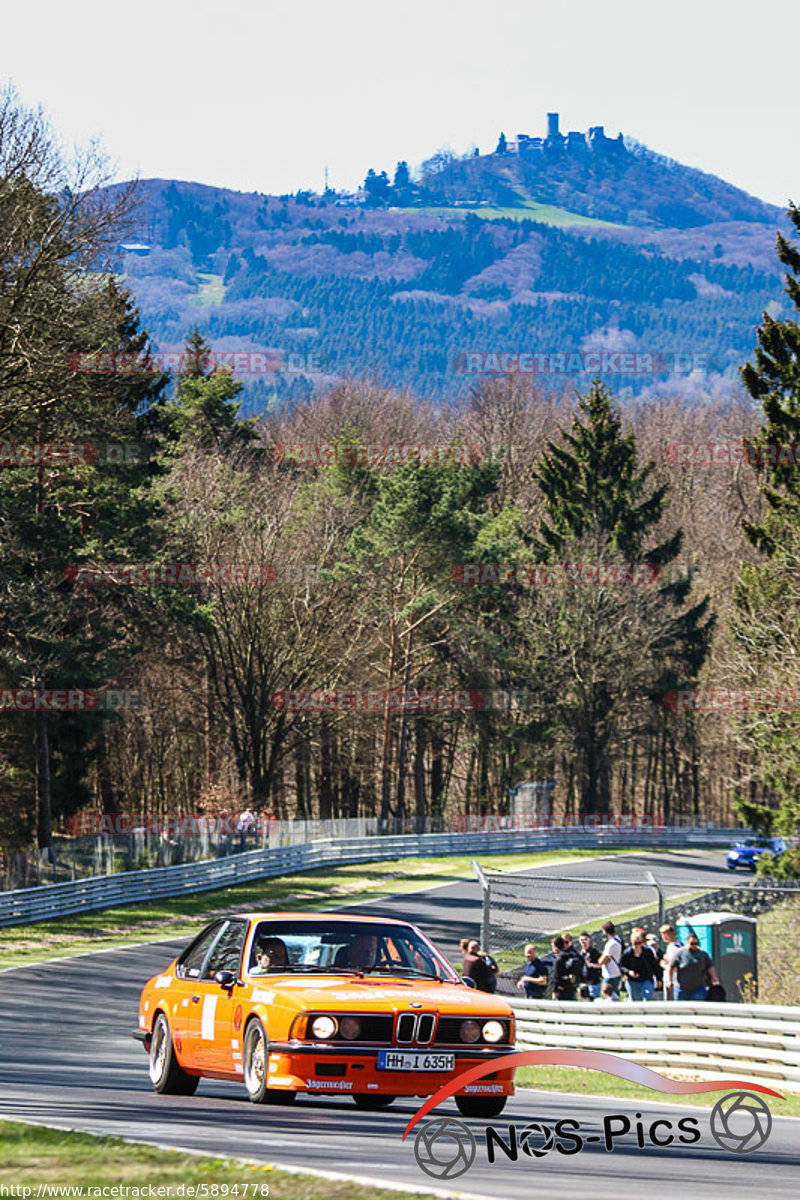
(344, 946)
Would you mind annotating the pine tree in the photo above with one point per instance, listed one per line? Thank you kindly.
(502, 145)
(205, 409)
(766, 620)
(774, 381)
(607, 655)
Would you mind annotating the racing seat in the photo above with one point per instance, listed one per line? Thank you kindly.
(342, 958)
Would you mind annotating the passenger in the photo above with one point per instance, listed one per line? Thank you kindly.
(363, 951)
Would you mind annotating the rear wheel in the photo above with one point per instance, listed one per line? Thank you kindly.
(372, 1103)
(166, 1074)
(256, 1059)
(480, 1106)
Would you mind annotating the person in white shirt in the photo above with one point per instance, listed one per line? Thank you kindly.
(609, 959)
(672, 948)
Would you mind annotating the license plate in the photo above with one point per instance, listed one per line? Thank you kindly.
(407, 1060)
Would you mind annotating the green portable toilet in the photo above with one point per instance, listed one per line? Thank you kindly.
(730, 941)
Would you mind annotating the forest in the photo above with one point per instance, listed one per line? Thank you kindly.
(623, 574)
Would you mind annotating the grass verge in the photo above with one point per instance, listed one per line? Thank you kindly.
(579, 1081)
(309, 890)
(31, 1155)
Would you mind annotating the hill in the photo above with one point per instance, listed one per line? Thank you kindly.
(425, 284)
(613, 180)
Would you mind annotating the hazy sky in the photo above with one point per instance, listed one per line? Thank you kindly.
(260, 95)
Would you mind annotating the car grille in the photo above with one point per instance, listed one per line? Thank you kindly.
(406, 1024)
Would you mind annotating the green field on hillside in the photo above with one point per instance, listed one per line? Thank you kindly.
(526, 210)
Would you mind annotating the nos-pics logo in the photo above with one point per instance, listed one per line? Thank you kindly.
(446, 1148)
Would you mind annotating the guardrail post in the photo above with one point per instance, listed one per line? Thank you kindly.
(660, 895)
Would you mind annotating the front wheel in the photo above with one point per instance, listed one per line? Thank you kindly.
(372, 1103)
(480, 1106)
(256, 1059)
(166, 1073)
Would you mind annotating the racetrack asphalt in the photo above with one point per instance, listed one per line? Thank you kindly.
(67, 1059)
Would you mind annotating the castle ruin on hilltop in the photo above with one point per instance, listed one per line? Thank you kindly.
(595, 141)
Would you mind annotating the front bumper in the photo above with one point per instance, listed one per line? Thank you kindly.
(143, 1036)
(295, 1066)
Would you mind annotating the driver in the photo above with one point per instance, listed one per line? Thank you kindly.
(270, 954)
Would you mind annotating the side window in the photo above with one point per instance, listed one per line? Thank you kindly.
(227, 952)
(191, 964)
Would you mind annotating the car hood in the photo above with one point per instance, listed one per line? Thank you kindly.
(311, 992)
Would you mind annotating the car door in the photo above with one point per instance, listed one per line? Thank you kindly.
(220, 1032)
(195, 1010)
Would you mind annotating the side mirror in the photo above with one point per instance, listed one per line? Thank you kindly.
(225, 979)
(469, 981)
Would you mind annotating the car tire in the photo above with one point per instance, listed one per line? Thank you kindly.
(370, 1102)
(731, 867)
(166, 1073)
(256, 1059)
(481, 1106)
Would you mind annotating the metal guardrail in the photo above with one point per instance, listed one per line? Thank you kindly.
(713, 1041)
(129, 887)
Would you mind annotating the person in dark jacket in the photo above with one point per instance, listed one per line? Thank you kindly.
(573, 949)
(476, 968)
(590, 955)
(565, 979)
(638, 965)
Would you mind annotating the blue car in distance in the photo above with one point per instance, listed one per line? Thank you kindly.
(747, 852)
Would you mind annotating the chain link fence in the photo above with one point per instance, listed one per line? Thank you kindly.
(534, 908)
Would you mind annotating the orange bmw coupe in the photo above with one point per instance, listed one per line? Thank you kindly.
(325, 1004)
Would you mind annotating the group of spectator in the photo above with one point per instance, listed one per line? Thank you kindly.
(648, 967)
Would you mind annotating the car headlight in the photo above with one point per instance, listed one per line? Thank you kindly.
(493, 1031)
(350, 1027)
(733, 854)
(469, 1031)
(323, 1028)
